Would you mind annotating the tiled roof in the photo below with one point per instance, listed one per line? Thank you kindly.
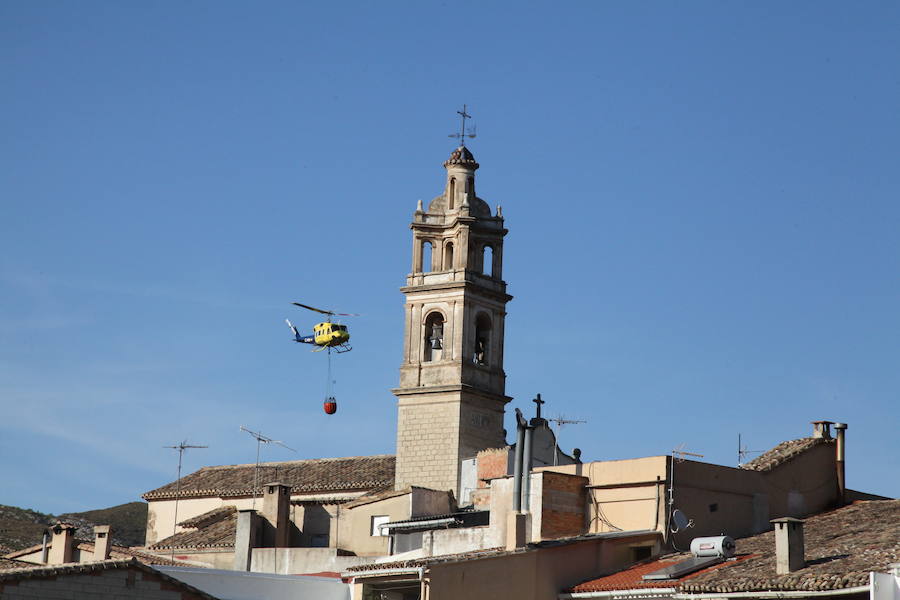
(413, 563)
(42, 571)
(782, 453)
(115, 553)
(10, 563)
(632, 578)
(842, 547)
(213, 529)
(321, 474)
(208, 518)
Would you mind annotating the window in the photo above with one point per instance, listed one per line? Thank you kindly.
(451, 196)
(379, 520)
(470, 187)
(448, 256)
(426, 257)
(487, 261)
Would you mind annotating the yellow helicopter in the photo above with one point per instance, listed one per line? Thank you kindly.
(325, 335)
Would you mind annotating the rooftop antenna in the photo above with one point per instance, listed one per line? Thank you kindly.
(743, 452)
(463, 134)
(559, 421)
(181, 448)
(260, 440)
(677, 519)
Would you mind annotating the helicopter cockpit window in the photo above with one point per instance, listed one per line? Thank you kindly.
(434, 337)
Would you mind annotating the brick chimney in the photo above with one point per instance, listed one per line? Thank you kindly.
(276, 510)
(102, 542)
(789, 550)
(62, 545)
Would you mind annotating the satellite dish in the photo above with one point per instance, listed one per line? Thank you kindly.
(680, 520)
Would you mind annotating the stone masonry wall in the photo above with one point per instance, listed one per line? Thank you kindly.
(427, 445)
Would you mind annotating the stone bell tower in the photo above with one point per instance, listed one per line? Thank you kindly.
(452, 383)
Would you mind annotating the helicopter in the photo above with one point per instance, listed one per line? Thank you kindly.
(325, 335)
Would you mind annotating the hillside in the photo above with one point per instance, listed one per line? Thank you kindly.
(22, 527)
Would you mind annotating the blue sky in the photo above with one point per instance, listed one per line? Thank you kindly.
(702, 200)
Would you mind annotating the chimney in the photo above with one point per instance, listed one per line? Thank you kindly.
(822, 429)
(102, 542)
(62, 544)
(789, 551)
(276, 509)
(839, 463)
(246, 538)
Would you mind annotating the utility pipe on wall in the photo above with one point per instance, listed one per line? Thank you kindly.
(839, 463)
(521, 424)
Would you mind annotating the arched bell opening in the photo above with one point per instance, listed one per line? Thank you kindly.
(434, 337)
(481, 352)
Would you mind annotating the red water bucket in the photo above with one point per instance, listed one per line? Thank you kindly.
(330, 406)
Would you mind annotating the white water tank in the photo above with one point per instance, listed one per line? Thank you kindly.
(721, 545)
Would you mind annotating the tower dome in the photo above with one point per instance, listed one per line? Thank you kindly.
(463, 157)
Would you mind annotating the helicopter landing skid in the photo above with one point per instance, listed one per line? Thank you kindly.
(343, 348)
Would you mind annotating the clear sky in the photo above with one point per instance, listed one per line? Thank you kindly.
(702, 200)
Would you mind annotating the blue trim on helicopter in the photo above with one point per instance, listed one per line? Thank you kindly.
(311, 339)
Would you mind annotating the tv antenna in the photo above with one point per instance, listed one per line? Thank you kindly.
(260, 440)
(463, 134)
(181, 447)
(743, 452)
(559, 421)
(677, 519)
(679, 454)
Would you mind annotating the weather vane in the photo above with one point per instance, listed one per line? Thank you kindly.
(462, 135)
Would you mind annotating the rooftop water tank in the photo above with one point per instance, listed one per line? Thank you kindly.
(721, 545)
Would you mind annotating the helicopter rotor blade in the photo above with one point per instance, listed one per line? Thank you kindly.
(325, 312)
(314, 309)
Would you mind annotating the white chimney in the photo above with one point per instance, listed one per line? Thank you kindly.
(102, 542)
(789, 550)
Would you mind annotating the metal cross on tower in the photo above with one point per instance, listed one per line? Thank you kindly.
(462, 135)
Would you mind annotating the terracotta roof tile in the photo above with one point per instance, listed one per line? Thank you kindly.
(208, 532)
(321, 474)
(782, 453)
(632, 578)
(842, 547)
(115, 553)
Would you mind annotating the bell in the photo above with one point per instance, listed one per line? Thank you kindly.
(330, 406)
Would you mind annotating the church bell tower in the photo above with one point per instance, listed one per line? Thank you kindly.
(452, 384)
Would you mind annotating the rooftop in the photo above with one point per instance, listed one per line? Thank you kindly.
(314, 475)
(783, 452)
(842, 547)
(115, 553)
(213, 529)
